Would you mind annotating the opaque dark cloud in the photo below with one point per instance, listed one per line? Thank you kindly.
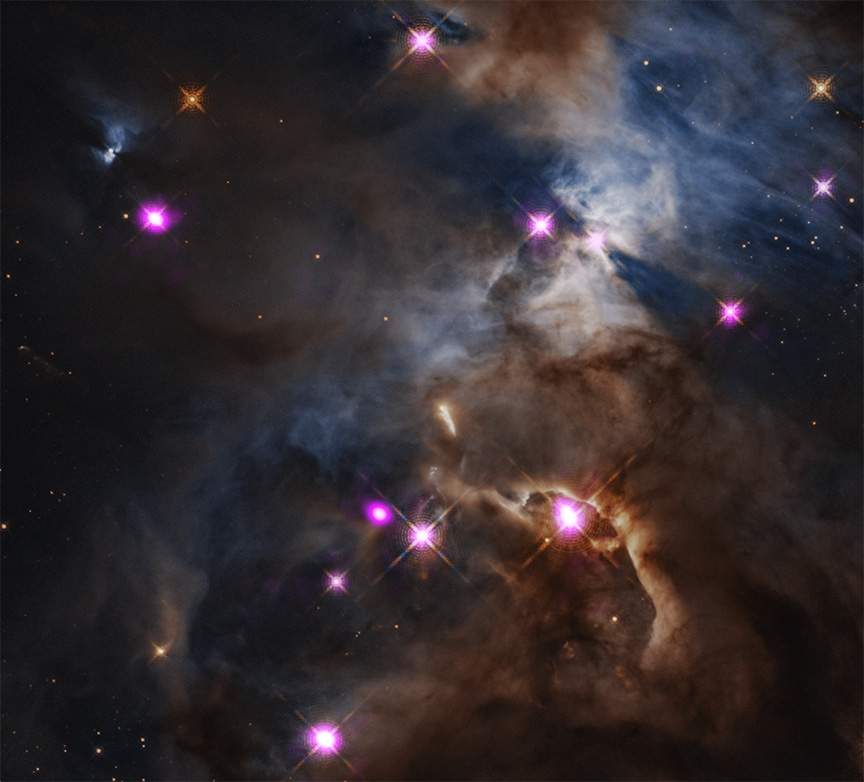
(348, 308)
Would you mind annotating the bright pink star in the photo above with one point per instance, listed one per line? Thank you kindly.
(336, 582)
(422, 40)
(379, 513)
(422, 536)
(822, 187)
(568, 517)
(539, 225)
(154, 218)
(731, 312)
(325, 739)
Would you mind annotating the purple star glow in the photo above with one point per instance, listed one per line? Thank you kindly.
(423, 537)
(730, 313)
(422, 40)
(336, 582)
(154, 218)
(379, 513)
(540, 226)
(325, 739)
(822, 187)
(568, 517)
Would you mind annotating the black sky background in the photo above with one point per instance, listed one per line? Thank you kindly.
(192, 421)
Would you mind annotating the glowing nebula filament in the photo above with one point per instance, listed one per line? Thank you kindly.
(539, 226)
(444, 415)
(379, 513)
(325, 739)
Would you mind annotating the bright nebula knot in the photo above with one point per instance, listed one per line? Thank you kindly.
(444, 415)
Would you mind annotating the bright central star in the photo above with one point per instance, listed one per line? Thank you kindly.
(154, 218)
(822, 187)
(192, 99)
(731, 312)
(821, 88)
(540, 225)
(422, 40)
(423, 537)
(568, 516)
(325, 738)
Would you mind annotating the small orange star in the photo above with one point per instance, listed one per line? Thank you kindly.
(192, 99)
